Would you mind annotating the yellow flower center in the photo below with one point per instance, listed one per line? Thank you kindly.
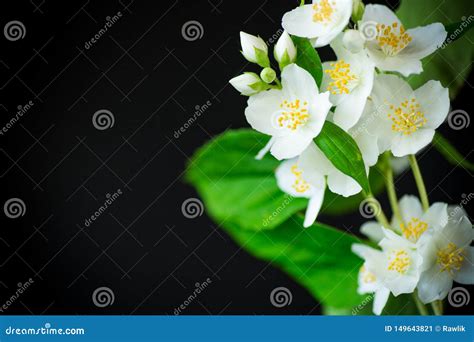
(399, 261)
(392, 38)
(367, 276)
(323, 11)
(450, 258)
(293, 114)
(300, 185)
(341, 77)
(407, 117)
(413, 229)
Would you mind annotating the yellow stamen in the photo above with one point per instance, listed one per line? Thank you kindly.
(300, 185)
(450, 258)
(367, 276)
(407, 117)
(399, 261)
(323, 11)
(341, 77)
(392, 38)
(413, 229)
(293, 115)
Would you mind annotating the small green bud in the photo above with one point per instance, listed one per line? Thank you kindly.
(358, 9)
(268, 75)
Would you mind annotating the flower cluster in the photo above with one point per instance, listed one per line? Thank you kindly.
(365, 93)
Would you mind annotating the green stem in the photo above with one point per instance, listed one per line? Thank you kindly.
(437, 306)
(379, 214)
(419, 182)
(421, 307)
(302, 2)
(392, 194)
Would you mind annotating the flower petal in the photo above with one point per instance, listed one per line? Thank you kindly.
(425, 40)
(436, 215)
(299, 22)
(342, 184)
(403, 145)
(380, 300)
(314, 205)
(290, 146)
(286, 179)
(434, 285)
(298, 83)
(466, 274)
(261, 109)
(380, 14)
(373, 230)
(434, 102)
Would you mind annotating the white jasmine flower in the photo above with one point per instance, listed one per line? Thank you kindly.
(254, 49)
(353, 41)
(321, 21)
(248, 83)
(293, 115)
(285, 50)
(368, 281)
(407, 118)
(447, 256)
(394, 48)
(306, 183)
(349, 80)
(338, 182)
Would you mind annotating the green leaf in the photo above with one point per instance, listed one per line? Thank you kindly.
(308, 58)
(318, 257)
(457, 30)
(341, 149)
(452, 63)
(235, 187)
(450, 153)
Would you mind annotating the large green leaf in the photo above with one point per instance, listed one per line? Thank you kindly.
(450, 153)
(451, 64)
(341, 149)
(235, 187)
(318, 257)
(308, 58)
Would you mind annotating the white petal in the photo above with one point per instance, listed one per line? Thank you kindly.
(425, 40)
(353, 41)
(297, 83)
(319, 106)
(459, 233)
(434, 285)
(314, 158)
(405, 66)
(380, 14)
(249, 43)
(299, 22)
(350, 109)
(466, 274)
(373, 230)
(380, 300)
(342, 184)
(437, 215)
(434, 102)
(243, 82)
(265, 150)
(286, 178)
(314, 205)
(290, 146)
(283, 44)
(410, 207)
(365, 252)
(261, 109)
(456, 212)
(403, 145)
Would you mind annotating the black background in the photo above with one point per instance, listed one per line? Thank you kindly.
(151, 79)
